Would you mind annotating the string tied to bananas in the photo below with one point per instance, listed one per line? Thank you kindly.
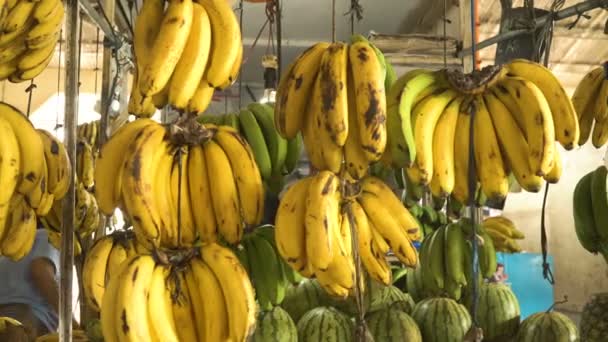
(477, 81)
(187, 131)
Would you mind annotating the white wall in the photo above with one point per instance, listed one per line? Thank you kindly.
(578, 274)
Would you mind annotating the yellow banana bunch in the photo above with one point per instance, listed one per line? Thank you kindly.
(89, 132)
(176, 192)
(183, 52)
(503, 233)
(590, 100)
(315, 223)
(206, 297)
(518, 113)
(30, 32)
(85, 164)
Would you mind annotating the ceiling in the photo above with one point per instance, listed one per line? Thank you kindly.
(305, 22)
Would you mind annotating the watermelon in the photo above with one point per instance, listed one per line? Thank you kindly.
(399, 300)
(497, 311)
(442, 320)
(547, 327)
(594, 320)
(393, 325)
(374, 298)
(325, 324)
(275, 326)
(302, 297)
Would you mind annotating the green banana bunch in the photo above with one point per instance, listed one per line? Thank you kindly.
(265, 267)
(591, 212)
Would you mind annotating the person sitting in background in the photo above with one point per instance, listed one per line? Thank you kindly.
(499, 276)
(30, 291)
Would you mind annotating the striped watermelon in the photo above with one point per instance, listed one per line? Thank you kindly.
(399, 300)
(547, 327)
(302, 297)
(374, 298)
(275, 326)
(497, 311)
(325, 324)
(442, 320)
(393, 325)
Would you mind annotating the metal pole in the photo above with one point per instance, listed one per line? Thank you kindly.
(577, 9)
(98, 19)
(107, 74)
(69, 202)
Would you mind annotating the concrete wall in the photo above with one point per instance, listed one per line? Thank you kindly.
(578, 274)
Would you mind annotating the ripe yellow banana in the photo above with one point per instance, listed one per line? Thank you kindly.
(247, 175)
(290, 226)
(214, 308)
(556, 172)
(488, 157)
(183, 308)
(201, 99)
(180, 197)
(164, 203)
(564, 119)
(138, 179)
(58, 163)
(45, 9)
(21, 233)
(583, 100)
(406, 222)
(311, 136)
(388, 227)
(94, 271)
(322, 217)
(539, 130)
(235, 70)
(191, 66)
(601, 102)
(513, 142)
(333, 97)
(10, 163)
(293, 95)
(226, 39)
(110, 304)
(45, 30)
(355, 158)
(442, 183)
(224, 193)
(200, 195)
(368, 81)
(376, 268)
(108, 172)
(18, 16)
(168, 45)
(236, 287)
(30, 146)
(160, 306)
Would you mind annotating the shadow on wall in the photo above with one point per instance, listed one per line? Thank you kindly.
(426, 14)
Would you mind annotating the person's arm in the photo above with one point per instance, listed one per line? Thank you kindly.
(42, 274)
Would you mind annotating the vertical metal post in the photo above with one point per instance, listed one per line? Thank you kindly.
(107, 74)
(70, 122)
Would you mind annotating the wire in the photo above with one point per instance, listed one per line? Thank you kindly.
(57, 126)
(333, 21)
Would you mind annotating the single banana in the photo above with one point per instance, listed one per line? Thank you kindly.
(437, 266)
(488, 158)
(539, 130)
(110, 305)
(311, 139)
(322, 217)
(442, 183)
(375, 267)
(196, 301)
(163, 195)
(193, 61)
(277, 145)
(30, 146)
(290, 226)
(454, 254)
(109, 168)
(355, 158)
(293, 98)
(224, 193)
(564, 116)
(255, 137)
(201, 195)
(368, 82)
(235, 70)
(330, 153)
(583, 101)
(94, 271)
(201, 98)
(247, 175)
(10, 164)
(513, 142)
(21, 233)
(59, 166)
(138, 179)
(226, 37)
(160, 307)
(236, 287)
(18, 16)
(600, 133)
(168, 46)
(333, 97)
(556, 172)
(215, 306)
(183, 307)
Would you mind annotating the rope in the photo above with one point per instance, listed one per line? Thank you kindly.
(472, 179)
(333, 21)
(279, 12)
(58, 84)
(445, 34)
(356, 10)
(179, 195)
(547, 273)
(358, 269)
(241, 8)
(29, 90)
